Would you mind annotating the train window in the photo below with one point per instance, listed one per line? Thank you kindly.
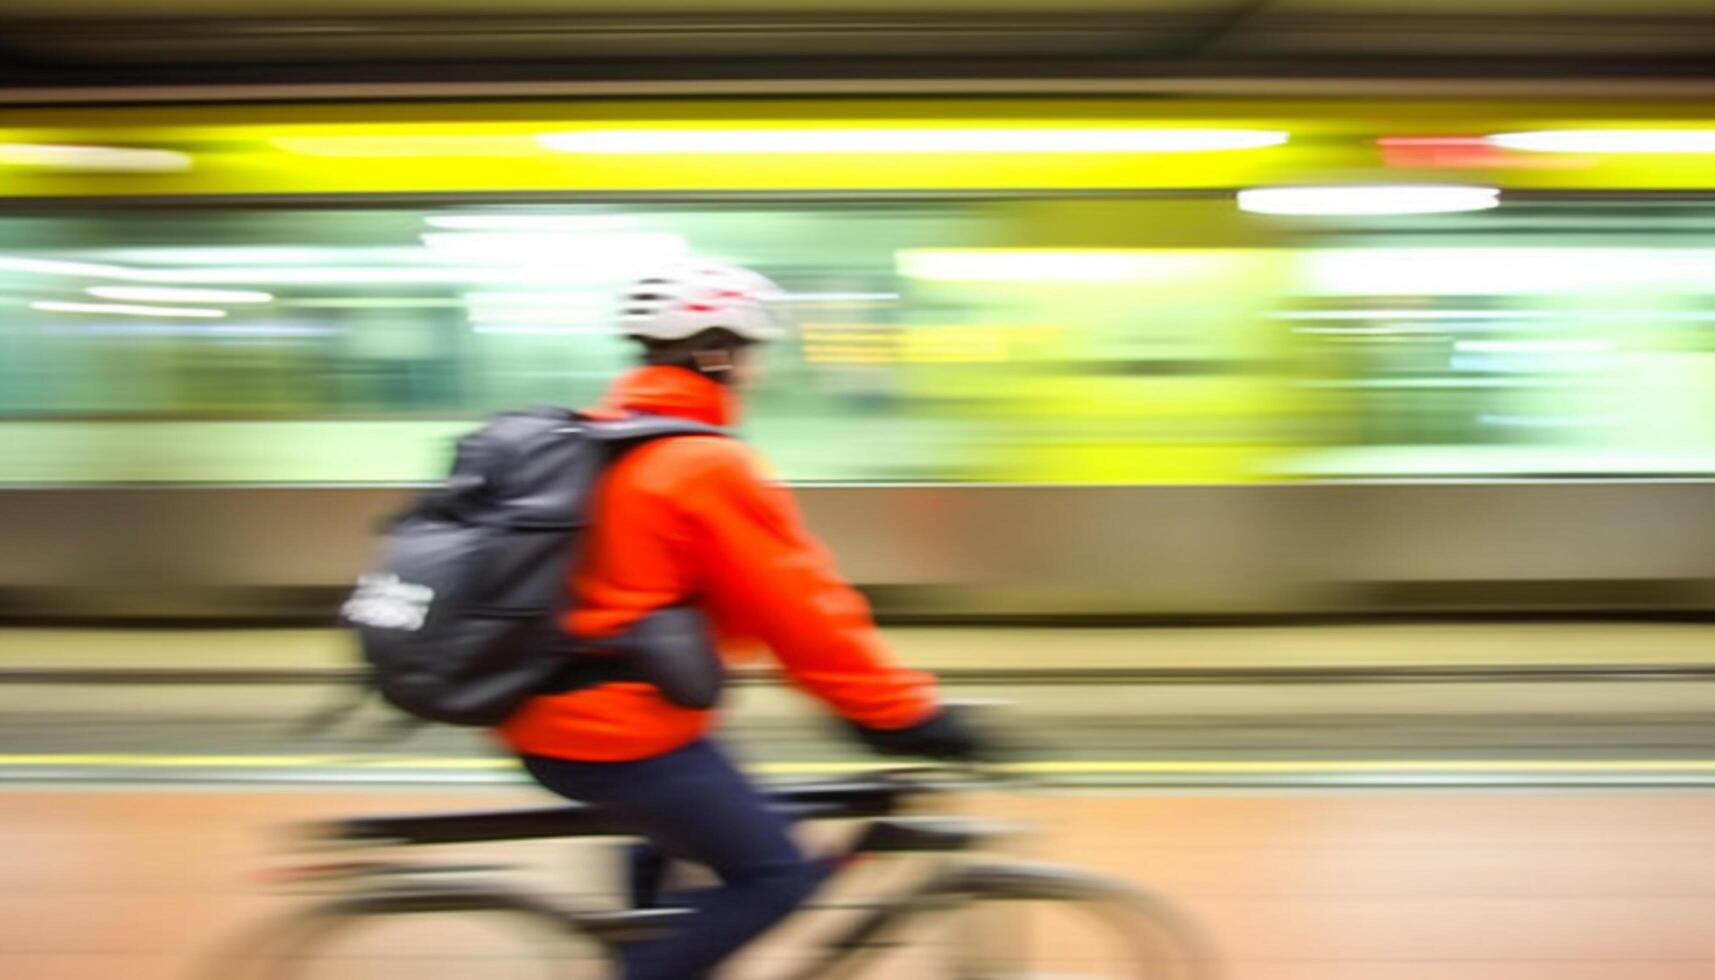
(1549, 338)
(353, 344)
(1132, 340)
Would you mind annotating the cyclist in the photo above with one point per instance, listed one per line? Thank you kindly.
(692, 519)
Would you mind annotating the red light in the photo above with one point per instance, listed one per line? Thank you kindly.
(1458, 152)
(1465, 153)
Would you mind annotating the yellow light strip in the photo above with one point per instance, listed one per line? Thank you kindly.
(1081, 767)
(482, 145)
(911, 140)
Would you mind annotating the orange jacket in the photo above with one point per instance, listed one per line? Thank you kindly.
(691, 516)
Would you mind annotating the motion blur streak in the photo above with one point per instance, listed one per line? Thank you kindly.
(1139, 362)
(986, 334)
(1299, 414)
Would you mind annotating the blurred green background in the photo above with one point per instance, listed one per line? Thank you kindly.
(1124, 339)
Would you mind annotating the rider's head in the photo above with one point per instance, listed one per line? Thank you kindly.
(702, 316)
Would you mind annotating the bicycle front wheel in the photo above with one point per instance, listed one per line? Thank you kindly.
(1017, 921)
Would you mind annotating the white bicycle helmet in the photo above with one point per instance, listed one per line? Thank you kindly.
(686, 299)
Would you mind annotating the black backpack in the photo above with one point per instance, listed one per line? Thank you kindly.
(458, 619)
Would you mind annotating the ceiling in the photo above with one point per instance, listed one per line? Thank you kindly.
(72, 46)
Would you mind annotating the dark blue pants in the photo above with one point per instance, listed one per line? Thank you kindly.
(695, 805)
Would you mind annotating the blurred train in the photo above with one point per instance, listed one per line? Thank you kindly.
(1054, 357)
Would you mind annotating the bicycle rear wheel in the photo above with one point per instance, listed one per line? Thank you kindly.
(455, 936)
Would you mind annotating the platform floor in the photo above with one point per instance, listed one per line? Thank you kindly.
(1422, 885)
(1553, 829)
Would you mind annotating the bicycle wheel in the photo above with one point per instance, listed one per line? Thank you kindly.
(1017, 921)
(460, 935)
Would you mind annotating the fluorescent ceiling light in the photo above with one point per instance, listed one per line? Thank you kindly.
(112, 159)
(60, 267)
(127, 309)
(171, 294)
(531, 222)
(1368, 199)
(878, 140)
(1608, 140)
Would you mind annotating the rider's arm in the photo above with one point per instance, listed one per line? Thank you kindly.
(754, 553)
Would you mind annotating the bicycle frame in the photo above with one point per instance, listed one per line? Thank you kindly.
(377, 886)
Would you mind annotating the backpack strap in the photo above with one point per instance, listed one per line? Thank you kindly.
(643, 428)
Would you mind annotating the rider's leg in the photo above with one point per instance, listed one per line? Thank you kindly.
(697, 806)
(646, 871)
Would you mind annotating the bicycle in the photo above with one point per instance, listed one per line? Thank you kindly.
(1135, 934)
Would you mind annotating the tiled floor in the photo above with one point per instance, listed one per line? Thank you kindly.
(114, 884)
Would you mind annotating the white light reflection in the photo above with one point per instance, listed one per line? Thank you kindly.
(1551, 421)
(1368, 199)
(1608, 141)
(172, 294)
(531, 222)
(108, 159)
(62, 267)
(128, 309)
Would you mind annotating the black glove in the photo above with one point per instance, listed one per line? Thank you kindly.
(943, 735)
